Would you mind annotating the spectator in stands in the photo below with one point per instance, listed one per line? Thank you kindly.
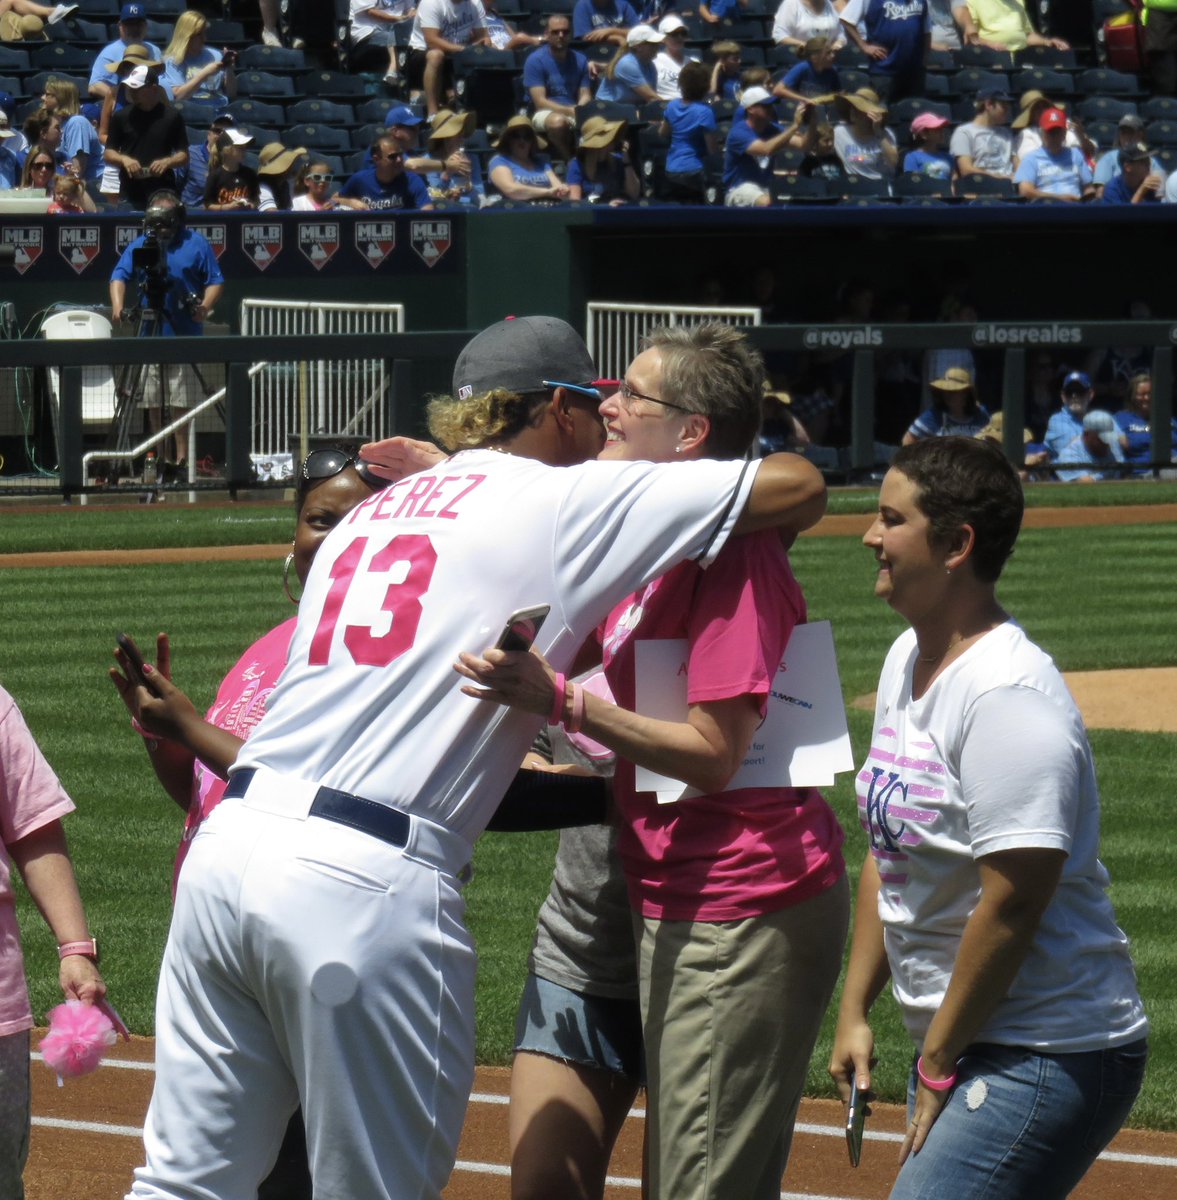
(556, 79)
(797, 21)
(956, 309)
(502, 34)
(750, 146)
(814, 76)
(441, 29)
(373, 28)
(602, 170)
(147, 140)
(15, 28)
(1129, 132)
(822, 161)
(898, 37)
(725, 74)
(453, 174)
(134, 55)
(80, 148)
(1035, 456)
(631, 78)
(1066, 424)
(49, 14)
(984, 146)
(40, 170)
(200, 158)
(670, 60)
(929, 132)
(70, 197)
(132, 28)
(231, 185)
(11, 155)
(42, 132)
(1135, 423)
(1137, 182)
(955, 409)
(518, 172)
(690, 124)
(1094, 454)
(1160, 44)
(865, 145)
(1029, 136)
(714, 11)
(603, 20)
(386, 185)
(1056, 171)
(274, 164)
(192, 70)
(312, 189)
(1001, 25)
(946, 33)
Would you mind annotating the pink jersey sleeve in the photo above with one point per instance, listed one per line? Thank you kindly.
(745, 606)
(30, 793)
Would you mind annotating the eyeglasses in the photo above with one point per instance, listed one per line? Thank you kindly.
(315, 177)
(42, 166)
(628, 396)
(327, 463)
(387, 157)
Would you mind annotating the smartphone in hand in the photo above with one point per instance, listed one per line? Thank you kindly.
(134, 658)
(856, 1115)
(522, 627)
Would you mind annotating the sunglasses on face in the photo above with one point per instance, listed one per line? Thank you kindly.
(316, 177)
(42, 166)
(327, 463)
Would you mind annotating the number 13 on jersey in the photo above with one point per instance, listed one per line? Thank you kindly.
(409, 556)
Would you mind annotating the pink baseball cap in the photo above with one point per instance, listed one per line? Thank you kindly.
(928, 120)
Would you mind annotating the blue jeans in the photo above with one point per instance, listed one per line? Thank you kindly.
(1019, 1124)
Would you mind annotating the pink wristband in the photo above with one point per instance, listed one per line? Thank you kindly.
(139, 728)
(936, 1085)
(576, 718)
(556, 716)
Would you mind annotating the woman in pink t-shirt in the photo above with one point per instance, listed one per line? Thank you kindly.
(191, 754)
(740, 899)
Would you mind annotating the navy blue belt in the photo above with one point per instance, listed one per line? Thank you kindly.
(378, 820)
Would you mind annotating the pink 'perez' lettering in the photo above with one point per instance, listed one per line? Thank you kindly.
(448, 512)
(434, 496)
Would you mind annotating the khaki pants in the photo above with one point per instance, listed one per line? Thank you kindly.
(731, 1011)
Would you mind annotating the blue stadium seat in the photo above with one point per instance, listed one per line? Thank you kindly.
(227, 33)
(910, 107)
(603, 108)
(159, 32)
(34, 85)
(940, 62)
(320, 112)
(362, 136)
(277, 59)
(777, 57)
(249, 112)
(856, 186)
(354, 161)
(333, 85)
(263, 83)
(1161, 133)
(1105, 108)
(985, 58)
(79, 32)
(13, 58)
(986, 185)
(1102, 81)
(1048, 56)
(1156, 108)
(317, 137)
(1050, 83)
(63, 58)
(15, 87)
(99, 10)
(972, 79)
(853, 79)
(798, 189)
(373, 110)
(938, 85)
(1167, 156)
(167, 8)
(909, 185)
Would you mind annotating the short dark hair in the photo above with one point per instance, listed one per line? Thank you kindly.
(967, 481)
(694, 81)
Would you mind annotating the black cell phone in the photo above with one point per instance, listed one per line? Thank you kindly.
(521, 628)
(129, 648)
(856, 1115)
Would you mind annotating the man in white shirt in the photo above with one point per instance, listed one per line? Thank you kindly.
(441, 29)
(670, 59)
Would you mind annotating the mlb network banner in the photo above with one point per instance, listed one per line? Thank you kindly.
(278, 245)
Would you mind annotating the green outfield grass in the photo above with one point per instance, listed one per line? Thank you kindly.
(1095, 598)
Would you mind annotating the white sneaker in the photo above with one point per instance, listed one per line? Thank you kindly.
(60, 12)
(270, 38)
(298, 44)
(391, 78)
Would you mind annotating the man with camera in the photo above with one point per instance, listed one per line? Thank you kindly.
(179, 282)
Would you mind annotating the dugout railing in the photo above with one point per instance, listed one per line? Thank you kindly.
(421, 362)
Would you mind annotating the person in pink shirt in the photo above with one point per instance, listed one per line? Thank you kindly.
(32, 803)
(739, 897)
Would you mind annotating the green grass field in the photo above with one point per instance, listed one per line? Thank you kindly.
(1094, 597)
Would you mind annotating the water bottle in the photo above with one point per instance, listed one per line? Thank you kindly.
(150, 468)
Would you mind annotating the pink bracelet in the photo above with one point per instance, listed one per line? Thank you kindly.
(139, 728)
(556, 716)
(936, 1085)
(86, 949)
(576, 719)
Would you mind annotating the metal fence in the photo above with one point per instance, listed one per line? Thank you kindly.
(614, 331)
(295, 401)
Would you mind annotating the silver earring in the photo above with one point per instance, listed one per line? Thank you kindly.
(678, 449)
(286, 578)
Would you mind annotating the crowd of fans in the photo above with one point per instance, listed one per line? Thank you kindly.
(406, 105)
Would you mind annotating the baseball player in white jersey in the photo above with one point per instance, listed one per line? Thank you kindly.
(318, 949)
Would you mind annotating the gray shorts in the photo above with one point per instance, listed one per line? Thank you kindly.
(589, 1031)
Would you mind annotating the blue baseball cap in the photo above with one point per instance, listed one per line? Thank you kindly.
(995, 93)
(401, 114)
(133, 12)
(1077, 379)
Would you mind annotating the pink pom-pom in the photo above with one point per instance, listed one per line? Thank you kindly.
(77, 1039)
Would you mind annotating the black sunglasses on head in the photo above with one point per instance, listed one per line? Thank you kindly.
(329, 462)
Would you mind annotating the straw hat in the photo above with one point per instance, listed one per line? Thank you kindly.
(866, 100)
(956, 379)
(1026, 104)
(448, 124)
(275, 159)
(517, 122)
(135, 55)
(597, 133)
(995, 430)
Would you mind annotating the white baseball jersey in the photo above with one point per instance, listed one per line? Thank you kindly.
(369, 702)
(455, 20)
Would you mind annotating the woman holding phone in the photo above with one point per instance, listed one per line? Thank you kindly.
(982, 897)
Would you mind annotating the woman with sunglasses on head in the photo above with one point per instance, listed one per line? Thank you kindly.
(982, 897)
(739, 897)
(517, 172)
(191, 755)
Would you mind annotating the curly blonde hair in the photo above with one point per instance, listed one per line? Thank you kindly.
(467, 424)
